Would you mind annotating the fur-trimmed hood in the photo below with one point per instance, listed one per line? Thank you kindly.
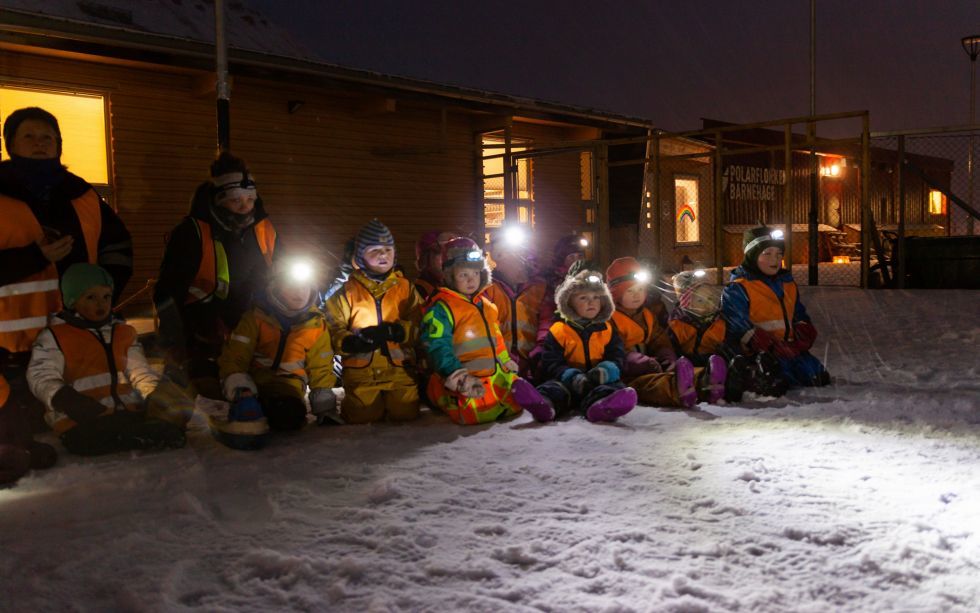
(579, 283)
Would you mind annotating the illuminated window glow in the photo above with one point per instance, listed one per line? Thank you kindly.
(81, 118)
(687, 210)
(937, 202)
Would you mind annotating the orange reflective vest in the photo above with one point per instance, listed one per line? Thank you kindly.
(518, 315)
(97, 370)
(4, 391)
(286, 353)
(645, 338)
(25, 305)
(424, 288)
(477, 342)
(578, 354)
(213, 277)
(367, 311)
(690, 341)
(767, 311)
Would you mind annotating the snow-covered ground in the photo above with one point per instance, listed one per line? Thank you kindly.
(861, 496)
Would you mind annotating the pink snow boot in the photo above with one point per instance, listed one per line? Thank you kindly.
(684, 378)
(715, 377)
(531, 400)
(613, 406)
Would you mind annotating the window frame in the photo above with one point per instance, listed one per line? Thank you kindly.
(697, 181)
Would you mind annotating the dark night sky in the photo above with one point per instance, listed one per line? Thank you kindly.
(672, 62)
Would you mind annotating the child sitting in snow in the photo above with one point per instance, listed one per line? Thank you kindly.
(582, 356)
(651, 367)
(766, 319)
(697, 333)
(279, 348)
(372, 320)
(89, 370)
(473, 374)
(517, 293)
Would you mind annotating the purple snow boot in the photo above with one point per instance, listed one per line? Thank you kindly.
(531, 400)
(716, 375)
(684, 378)
(613, 406)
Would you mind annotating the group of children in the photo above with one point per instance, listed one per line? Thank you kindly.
(479, 344)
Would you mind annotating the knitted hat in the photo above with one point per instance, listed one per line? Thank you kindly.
(373, 234)
(623, 274)
(567, 245)
(79, 278)
(757, 240)
(463, 252)
(584, 281)
(430, 242)
(20, 115)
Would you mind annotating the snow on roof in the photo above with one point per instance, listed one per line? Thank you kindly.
(184, 19)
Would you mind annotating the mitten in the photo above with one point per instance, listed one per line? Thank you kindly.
(358, 343)
(245, 408)
(575, 380)
(392, 332)
(76, 405)
(784, 350)
(604, 372)
(804, 334)
(760, 341)
(511, 366)
(471, 387)
(323, 403)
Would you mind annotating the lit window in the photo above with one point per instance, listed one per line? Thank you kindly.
(585, 172)
(494, 210)
(81, 118)
(687, 210)
(937, 202)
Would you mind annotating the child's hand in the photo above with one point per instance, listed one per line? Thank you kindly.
(392, 332)
(511, 366)
(760, 341)
(471, 387)
(76, 405)
(357, 343)
(604, 372)
(804, 334)
(56, 251)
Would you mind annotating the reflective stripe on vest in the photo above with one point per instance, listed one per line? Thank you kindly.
(213, 278)
(364, 310)
(475, 343)
(574, 348)
(25, 305)
(87, 364)
(299, 341)
(766, 311)
(687, 336)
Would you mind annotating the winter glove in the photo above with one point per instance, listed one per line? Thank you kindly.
(471, 387)
(511, 366)
(323, 403)
(637, 364)
(575, 380)
(760, 341)
(358, 342)
(76, 405)
(604, 372)
(245, 408)
(784, 350)
(804, 334)
(392, 332)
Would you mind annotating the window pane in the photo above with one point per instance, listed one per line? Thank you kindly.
(81, 118)
(687, 211)
(493, 215)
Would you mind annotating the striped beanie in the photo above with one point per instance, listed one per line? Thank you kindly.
(374, 233)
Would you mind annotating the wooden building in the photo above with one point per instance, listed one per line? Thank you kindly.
(330, 147)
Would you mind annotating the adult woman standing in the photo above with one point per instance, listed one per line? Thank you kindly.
(49, 220)
(216, 257)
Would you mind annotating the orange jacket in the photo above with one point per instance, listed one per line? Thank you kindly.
(691, 342)
(767, 311)
(576, 354)
(212, 273)
(647, 338)
(476, 339)
(518, 314)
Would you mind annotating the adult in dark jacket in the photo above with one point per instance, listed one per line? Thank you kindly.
(215, 258)
(49, 220)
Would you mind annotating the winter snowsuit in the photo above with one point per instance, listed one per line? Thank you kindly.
(31, 208)
(105, 364)
(278, 367)
(461, 335)
(519, 313)
(376, 384)
(754, 300)
(573, 347)
(207, 278)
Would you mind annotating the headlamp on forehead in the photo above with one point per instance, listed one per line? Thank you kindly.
(583, 242)
(300, 271)
(474, 256)
(642, 276)
(699, 273)
(776, 235)
(594, 279)
(514, 236)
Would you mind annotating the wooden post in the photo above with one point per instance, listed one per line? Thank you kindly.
(788, 192)
(865, 201)
(601, 249)
(719, 214)
(221, 70)
(899, 266)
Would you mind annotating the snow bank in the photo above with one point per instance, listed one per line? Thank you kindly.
(860, 496)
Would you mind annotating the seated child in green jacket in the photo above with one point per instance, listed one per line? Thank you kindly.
(89, 370)
(474, 379)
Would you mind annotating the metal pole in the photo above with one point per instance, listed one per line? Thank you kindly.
(969, 159)
(813, 57)
(900, 265)
(788, 204)
(812, 243)
(221, 69)
(655, 199)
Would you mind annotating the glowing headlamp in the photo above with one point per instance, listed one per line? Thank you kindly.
(776, 235)
(594, 279)
(474, 256)
(514, 236)
(642, 276)
(300, 271)
(583, 242)
(699, 273)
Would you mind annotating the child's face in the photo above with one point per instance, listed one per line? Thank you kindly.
(769, 260)
(294, 296)
(466, 280)
(95, 303)
(510, 264)
(704, 301)
(634, 297)
(587, 304)
(432, 263)
(379, 258)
